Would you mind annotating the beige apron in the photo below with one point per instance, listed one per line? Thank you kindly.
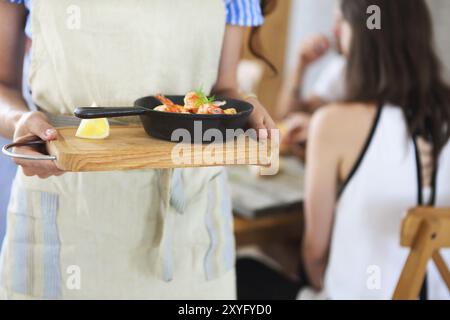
(154, 234)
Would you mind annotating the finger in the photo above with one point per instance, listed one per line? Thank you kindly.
(28, 172)
(269, 123)
(261, 121)
(270, 126)
(256, 120)
(40, 127)
(41, 173)
(258, 124)
(36, 167)
(263, 134)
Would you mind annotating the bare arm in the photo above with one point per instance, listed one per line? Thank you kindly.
(16, 121)
(12, 39)
(322, 174)
(290, 98)
(227, 84)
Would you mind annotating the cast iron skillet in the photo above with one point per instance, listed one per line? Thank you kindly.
(162, 125)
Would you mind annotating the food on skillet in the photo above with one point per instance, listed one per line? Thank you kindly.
(194, 103)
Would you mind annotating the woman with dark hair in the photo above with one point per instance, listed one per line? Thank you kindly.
(145, 234)
(380, 153)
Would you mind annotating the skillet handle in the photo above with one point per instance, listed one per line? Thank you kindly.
(108, 112)
(6, 150)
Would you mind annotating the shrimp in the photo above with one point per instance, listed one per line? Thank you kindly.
(219, 103)
(162, 108)
(191, 102)
(195, 103)
(210, 109)
(170, 105)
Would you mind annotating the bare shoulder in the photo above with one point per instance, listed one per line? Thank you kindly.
(339, 120)
(342, 129)
(344, 113)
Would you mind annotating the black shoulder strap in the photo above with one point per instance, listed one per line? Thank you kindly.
(363, 151)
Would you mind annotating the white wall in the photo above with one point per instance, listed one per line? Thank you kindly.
(313, 16)
(308, 17)
(440, 10)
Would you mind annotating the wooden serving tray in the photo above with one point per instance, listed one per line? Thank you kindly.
(129, 147)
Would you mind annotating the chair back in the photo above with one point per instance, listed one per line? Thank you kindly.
(425, 231)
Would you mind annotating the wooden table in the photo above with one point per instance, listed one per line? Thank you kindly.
(279, 227)
(277, 236)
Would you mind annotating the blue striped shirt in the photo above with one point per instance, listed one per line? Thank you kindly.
(246, 13)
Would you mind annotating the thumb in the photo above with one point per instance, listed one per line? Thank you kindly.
(261, 130)
(39, 126)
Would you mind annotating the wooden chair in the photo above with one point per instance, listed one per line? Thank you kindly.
(426, 231)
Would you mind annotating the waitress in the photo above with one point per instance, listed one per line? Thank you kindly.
(151, 234)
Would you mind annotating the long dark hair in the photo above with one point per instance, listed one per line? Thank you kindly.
(398, 64)
(254, 43)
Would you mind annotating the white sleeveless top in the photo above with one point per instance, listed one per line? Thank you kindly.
(366, 259)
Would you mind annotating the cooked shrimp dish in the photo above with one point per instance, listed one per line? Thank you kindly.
(194, 103)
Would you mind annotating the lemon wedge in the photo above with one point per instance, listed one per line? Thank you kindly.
(93, 129)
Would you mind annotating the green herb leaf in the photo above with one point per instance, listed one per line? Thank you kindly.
(203, 98)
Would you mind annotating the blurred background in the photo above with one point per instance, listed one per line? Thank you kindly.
(268, 210)
(295, 20)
